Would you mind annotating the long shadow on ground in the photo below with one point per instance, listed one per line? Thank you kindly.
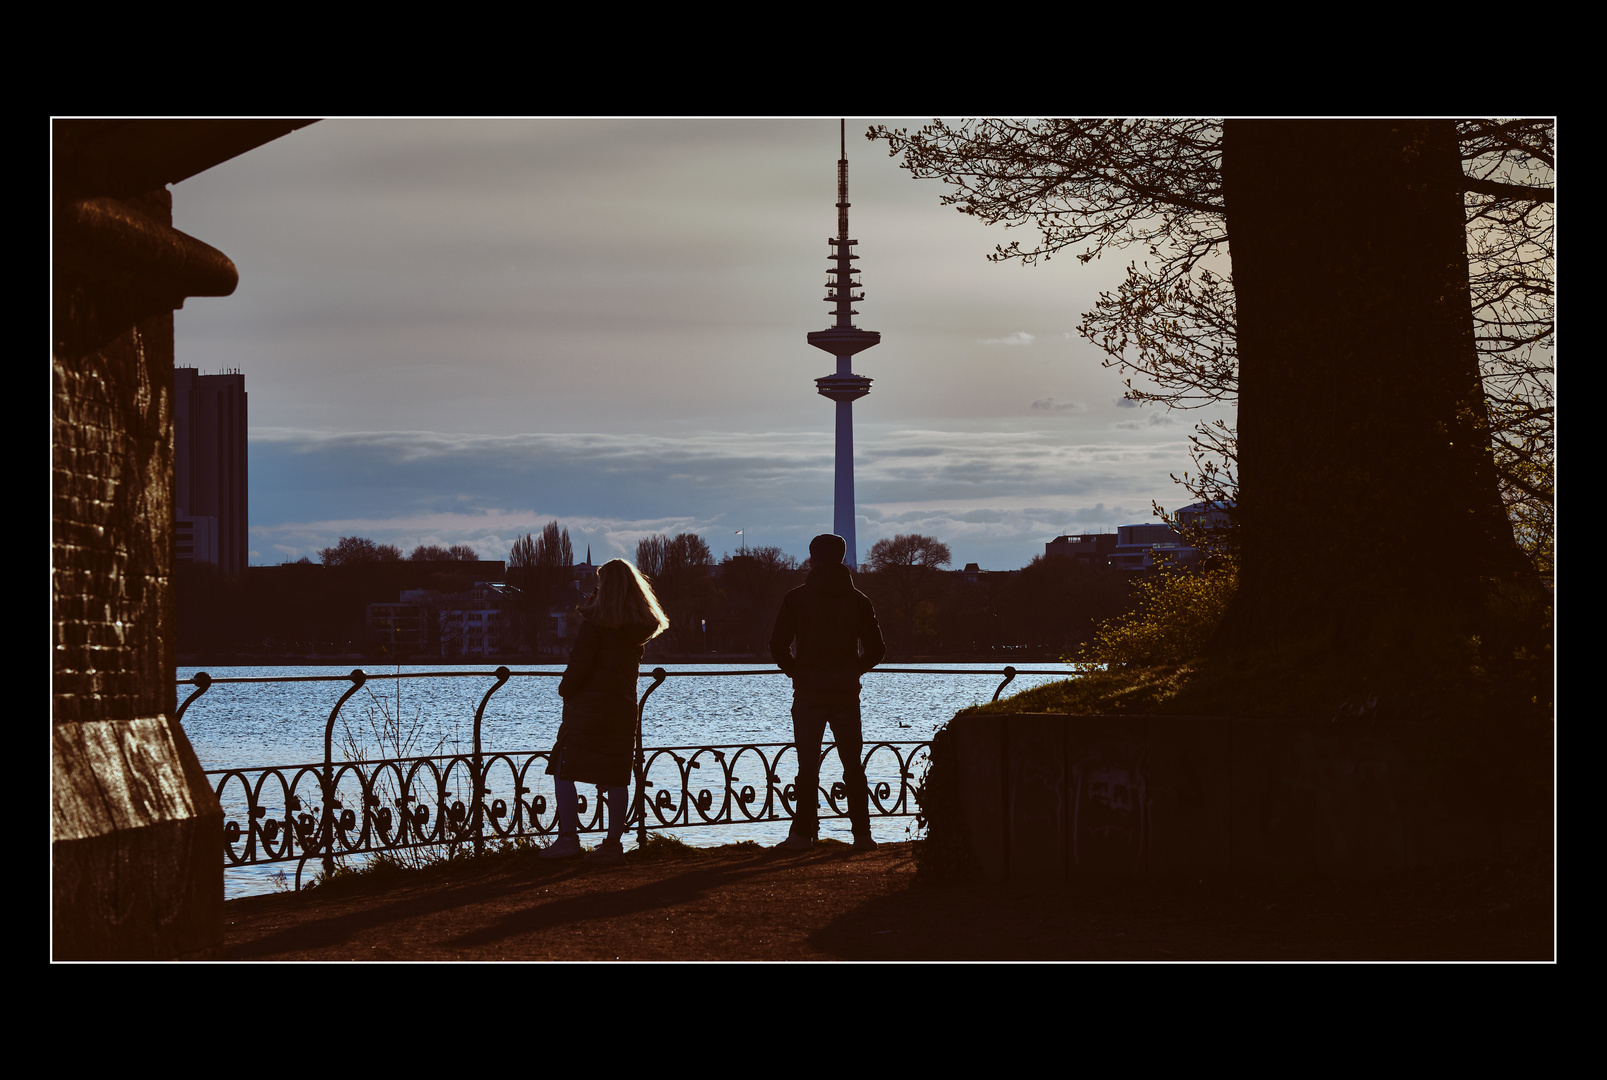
(506, 904)
(835, 904)
(1490, 910)
(694, 883)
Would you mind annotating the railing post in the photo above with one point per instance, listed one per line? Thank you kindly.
(326, 834)
(200, 679)
(480, 789)
(639, 804)
(1009, 676)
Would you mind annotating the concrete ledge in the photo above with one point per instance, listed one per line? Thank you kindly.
(1047, 796)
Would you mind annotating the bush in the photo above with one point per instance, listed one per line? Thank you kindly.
(1177, 612)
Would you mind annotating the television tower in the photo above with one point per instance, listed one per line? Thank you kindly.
(843, 339)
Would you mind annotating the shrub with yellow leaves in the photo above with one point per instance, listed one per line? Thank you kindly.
(1176, 613)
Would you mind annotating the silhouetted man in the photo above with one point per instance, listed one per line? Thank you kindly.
(826, 637)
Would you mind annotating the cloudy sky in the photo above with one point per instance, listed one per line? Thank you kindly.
(453, 331)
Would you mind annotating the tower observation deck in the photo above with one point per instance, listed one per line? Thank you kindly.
(843, 339)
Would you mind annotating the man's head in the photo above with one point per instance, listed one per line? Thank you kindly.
(827, 549)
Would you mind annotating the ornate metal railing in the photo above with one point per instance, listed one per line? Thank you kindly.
(336, 809)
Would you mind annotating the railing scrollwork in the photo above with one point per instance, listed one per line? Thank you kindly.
(337, 809)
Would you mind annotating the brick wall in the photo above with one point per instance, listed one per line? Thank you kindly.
(137, 834)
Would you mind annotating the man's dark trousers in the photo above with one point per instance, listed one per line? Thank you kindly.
(809, 723)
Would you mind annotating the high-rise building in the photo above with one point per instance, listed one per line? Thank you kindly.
(209, 468)
(843, 339)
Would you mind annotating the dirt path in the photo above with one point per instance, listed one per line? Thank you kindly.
(833, 904)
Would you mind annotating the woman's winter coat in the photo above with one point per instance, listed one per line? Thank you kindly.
(598, 732)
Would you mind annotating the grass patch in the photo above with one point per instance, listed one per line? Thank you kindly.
(1119, 690)
(1308, 680)
(741, 846)
(666, 846)
(1292, 683)
(386, 864)
(662, 845)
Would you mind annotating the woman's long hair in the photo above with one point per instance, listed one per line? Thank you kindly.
(624, 598)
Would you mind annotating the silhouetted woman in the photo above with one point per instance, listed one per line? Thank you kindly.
(598, 732)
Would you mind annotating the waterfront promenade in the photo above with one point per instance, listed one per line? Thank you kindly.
(744, 903)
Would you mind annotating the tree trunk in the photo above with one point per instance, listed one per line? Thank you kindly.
(1368, 493)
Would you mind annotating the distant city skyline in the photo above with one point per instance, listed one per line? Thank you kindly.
(455, 331)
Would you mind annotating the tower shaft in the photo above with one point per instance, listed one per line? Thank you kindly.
(842, 515)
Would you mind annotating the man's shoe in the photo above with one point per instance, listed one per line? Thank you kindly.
(863, 842)
(795, 842)
(565, 847)
(608, 853)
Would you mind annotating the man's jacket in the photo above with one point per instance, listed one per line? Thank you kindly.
(826, 637)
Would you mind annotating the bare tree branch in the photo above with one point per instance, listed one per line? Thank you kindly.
(1107, 184)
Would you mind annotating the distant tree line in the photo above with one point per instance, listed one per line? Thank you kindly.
(306, 607)
(1046, 610)
(361, 551)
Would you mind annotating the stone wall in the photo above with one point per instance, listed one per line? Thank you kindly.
(1046, 796)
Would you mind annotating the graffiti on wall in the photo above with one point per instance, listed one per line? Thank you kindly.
(1110, 811)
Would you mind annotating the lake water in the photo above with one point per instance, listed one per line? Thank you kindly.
(257, 725)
